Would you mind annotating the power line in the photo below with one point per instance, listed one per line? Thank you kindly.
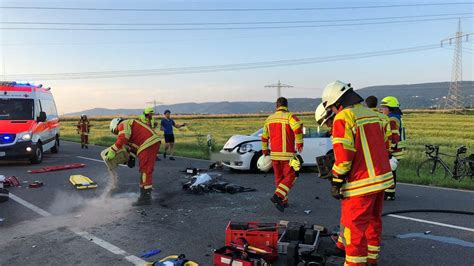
(215, 68)
(224, 23)
(231, 9)
(230, 28)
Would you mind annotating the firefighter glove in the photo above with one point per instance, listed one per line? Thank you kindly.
(336, 185)
(265, 152)
(110, 154)
(295, 164)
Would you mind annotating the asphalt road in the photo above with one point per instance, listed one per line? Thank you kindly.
(59, 225)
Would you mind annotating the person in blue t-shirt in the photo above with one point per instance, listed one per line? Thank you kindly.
(167, 125)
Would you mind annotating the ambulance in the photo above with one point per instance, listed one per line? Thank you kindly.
(29, 122)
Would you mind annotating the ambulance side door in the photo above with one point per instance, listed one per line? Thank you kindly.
(43, 128)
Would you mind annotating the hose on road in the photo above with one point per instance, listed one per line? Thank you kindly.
(429, 210)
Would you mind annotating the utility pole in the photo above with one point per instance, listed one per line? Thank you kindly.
(155, 104)
(454, 99)
(279, 85)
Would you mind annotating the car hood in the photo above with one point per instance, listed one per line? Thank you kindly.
(15, 126)
(236, 140)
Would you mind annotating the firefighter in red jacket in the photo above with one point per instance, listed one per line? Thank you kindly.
(83, 129)
(391, 107)
(142, 141)
(361, 173)
(283, 129)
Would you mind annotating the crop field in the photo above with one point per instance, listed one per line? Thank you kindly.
(446, 130)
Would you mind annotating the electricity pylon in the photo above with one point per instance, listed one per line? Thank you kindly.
(454, 99)
(155, 104)
(279, 85)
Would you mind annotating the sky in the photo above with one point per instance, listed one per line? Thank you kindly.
(26, 52)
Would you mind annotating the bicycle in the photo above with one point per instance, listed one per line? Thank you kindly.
(435, 166)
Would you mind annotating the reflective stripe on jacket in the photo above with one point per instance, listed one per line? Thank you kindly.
(150, 122)
(386, 128)
(135, 134)
(282, 129)
(83, 126)
(397, 147)
(360, 151)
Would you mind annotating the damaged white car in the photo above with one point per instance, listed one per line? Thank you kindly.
(241, 152)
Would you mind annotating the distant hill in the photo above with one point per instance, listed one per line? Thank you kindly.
(411, 96)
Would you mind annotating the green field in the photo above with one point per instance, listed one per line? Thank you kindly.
(447, 130)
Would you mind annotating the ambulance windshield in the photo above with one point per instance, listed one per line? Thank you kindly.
(16, 109)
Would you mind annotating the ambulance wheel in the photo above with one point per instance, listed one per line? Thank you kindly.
(38, 157)
(55, 148)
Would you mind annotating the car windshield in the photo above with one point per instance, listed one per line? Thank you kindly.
(16, 109)
(318, 132)
(258, 133)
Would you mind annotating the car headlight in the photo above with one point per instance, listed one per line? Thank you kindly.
(247, 147)
(25, 136)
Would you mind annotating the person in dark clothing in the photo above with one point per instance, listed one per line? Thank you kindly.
(167, 125)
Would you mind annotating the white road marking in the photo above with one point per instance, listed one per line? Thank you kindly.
(431, 222)
(106, 245)
(90, 237)
(30, 206)
(442, 188)
(96, 160)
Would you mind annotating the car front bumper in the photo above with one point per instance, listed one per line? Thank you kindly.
(236, 160)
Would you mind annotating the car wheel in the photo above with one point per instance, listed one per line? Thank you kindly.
(38, 156)
(253, 162)
(55, 148)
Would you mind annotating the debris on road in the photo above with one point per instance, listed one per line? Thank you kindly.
(151, 253)
(205, 183)
(194, 171)
(82, 182)
(4, 195)
(2, 220)
(307, 211)
(427, 232)
(36, 184)
(57, 168)
(142, 212)
(10, 181)
(216, 165)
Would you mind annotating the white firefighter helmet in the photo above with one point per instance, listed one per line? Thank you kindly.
(334, 91)
(319, 114)
(264, 163)
(322, 115)
(393, 163)
(114, 124)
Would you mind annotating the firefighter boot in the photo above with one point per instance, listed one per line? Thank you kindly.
(389, 195)
(144, 199)
(278, 202)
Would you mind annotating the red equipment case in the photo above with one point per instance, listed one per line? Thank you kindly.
(225, 257)
(259, 235)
